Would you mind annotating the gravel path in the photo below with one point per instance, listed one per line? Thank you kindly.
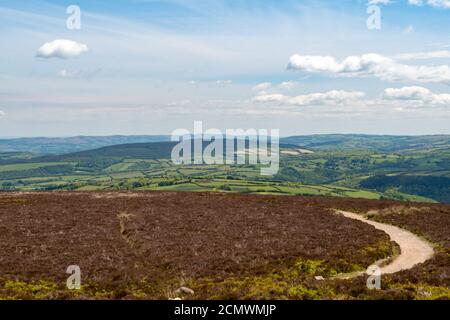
(414, 250)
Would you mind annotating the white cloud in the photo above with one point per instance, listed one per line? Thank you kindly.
(434, 3)
(376, 2)
(63, 49)
(439, 3)
(331, 97)
(419, 94)
(371, 64)
(2, 113)
(262, 86)
(393, 98)
(442, 54)
(407, 93)
(288, 85)
(415, 2)
(265, 86)
(274, 97)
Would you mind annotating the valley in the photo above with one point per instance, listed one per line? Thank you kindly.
(368, 167)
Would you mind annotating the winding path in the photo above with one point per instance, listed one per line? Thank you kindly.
(413, 250)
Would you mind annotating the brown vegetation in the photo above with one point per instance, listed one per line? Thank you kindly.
(147, 244)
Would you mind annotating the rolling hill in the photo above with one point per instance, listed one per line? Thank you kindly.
(380, 143)
(42, 145)
(418, 169)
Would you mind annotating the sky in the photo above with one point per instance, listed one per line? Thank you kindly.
(151, 67)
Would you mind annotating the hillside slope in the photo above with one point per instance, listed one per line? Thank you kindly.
(71, 144)
(381, 143)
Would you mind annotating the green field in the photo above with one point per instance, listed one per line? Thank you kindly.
(415, 171)
(28, 166)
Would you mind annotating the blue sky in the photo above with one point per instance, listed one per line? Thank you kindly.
(150, 67)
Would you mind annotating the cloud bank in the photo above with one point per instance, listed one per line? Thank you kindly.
(285, 85)
(262, 86)
(408, 96)
(445, 4)
(328, 98)
(371, 64)
(420, 94)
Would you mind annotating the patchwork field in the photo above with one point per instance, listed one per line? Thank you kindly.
(146, 245)
(386, 168)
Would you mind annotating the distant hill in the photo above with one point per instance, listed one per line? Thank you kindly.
(58, 146)
(152, 150)
(43, 146)
(434, 187)
(382, 143)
